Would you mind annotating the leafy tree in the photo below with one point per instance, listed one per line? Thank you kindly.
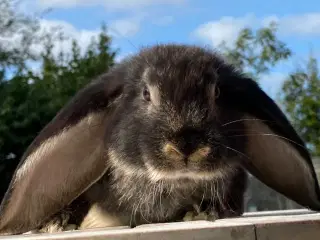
(17, 33)
(301, 99)
(255, 52)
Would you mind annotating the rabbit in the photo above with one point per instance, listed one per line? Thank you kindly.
(166, 135)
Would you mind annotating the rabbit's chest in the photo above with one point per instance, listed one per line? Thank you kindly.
(138, 201)
(146, 202)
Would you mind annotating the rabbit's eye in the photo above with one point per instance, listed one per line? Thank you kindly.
(146, 94)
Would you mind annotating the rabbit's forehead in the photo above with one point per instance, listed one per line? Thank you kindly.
(175, 83)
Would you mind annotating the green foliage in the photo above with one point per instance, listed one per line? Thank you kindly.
(256, 52)
(301, 99)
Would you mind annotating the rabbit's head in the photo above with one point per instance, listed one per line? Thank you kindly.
(170, 112)
(171, 121)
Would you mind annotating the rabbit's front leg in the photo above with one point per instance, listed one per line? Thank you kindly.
(228, 203)
(211, 212)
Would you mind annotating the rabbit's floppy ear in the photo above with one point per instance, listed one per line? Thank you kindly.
(277, 156)
(64, 160)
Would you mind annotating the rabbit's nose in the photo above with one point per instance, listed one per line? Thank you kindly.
(198, 154)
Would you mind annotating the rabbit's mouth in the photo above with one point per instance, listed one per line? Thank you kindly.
(156, 174)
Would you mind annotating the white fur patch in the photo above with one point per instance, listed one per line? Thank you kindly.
(97, 218)
(156, 175)
(153, 89)
(155, 95)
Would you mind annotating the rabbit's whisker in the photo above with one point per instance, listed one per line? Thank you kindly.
(245, 119)
(232, 149)
(268, 134)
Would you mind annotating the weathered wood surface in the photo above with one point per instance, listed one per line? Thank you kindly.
(282, 225)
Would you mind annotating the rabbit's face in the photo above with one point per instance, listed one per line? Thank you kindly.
(172, 120)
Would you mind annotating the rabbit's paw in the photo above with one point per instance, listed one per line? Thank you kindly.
(196, 215)
(58, 223)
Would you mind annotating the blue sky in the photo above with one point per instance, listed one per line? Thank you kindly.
(204, 22)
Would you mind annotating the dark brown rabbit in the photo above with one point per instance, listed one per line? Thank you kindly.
(170, 130)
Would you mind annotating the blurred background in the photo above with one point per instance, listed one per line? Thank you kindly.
(49, 49)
